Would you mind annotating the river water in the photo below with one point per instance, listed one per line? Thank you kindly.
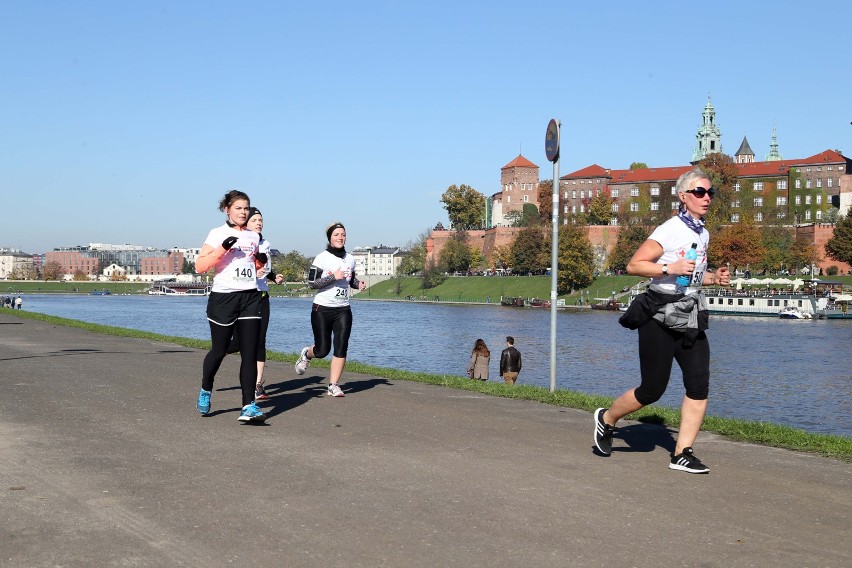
(793, 372)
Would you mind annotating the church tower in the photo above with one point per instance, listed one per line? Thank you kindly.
(708, 137)
(745, 155)
(774, 155)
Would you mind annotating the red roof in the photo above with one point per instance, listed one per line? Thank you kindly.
(589, 171)
(827, 157)
(519, 162)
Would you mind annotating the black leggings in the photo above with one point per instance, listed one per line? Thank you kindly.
(220, 335)
(326, 321)
(658, 347)
(234, 347)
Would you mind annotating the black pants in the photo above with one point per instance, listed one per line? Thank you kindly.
(659, 347)
(327, 321)
(234, 347)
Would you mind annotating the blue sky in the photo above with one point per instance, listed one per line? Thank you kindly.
(125, 122)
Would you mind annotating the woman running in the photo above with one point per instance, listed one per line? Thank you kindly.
(265, 275)
(332, 274)
(234, 303)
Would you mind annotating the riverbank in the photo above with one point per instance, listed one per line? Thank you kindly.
(839, 447)
(105, 462)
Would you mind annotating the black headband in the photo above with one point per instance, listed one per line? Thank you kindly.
(331, 229)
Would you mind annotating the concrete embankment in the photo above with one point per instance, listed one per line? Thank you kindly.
(105, 462)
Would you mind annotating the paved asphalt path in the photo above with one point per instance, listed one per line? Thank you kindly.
(105, 462)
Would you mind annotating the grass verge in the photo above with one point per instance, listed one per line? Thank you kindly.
(837, 447)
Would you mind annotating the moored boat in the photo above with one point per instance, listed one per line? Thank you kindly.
(792, 312)
(170, 288)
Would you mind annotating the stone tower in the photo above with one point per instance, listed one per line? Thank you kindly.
(708, 137)
(519, 185)
(745, 155)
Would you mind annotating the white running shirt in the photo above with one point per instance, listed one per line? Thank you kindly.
(235, 271)
(335, 294)
(676, 238)
(262, 282)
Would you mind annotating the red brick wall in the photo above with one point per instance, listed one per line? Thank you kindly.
(819, 235)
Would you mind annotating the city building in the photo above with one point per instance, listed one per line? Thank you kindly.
(519, 185)
(16, 265)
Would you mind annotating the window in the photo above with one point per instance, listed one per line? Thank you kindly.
(819, 169)
(798, 184)
(780, 201)
(574, 194)
(807, 184)
(819, 215)
(508, 199)
(598, 192)
(565, 209)
(735, 204)
(819, 182)
(758, 202)
(735, 218)
(614, 207)
(828, 182)
(655, 206)
(807, 200)
(655, 190)
(634, 192)
(758, 186)
(807, 215)
(737, 186)
(574, 209)
(582, 194)
(675, 205)
(613, 221)
(582, 208)
(819, 199)
(807, 169)
(674, 190)
(615, 193)
(828, 168)
(634, 207)
(758, 217)
(526, 198)
(782, 214)
(782, 184)
(798, 200)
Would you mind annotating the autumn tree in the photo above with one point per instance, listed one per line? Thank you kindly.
(465, 207)
(638, 166)
(723, 174)
(531, 250)
(599, 211)
(415, 258)
(776, 241)
(52, 271)
(293, 266)
(545, 200)
(802, 253)
(839, 246)
(630, 237)
(456, 255)
(738, 245)
(576, 259)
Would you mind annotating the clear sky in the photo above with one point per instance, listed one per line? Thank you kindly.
(126, 122)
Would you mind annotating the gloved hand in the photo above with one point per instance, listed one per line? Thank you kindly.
(229, 242)
(261, 257)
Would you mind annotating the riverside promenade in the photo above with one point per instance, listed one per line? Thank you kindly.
(105, 462)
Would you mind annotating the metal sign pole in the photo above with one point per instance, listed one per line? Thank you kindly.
(551, 148)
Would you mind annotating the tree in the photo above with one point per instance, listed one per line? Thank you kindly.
(638, 166)
(738, 245)
(576, 259)
(188, 267)
(514, 218)
(465, 207)
(455, 256)
(600, 209)
(723, 174)
(52, 270)
(545, 200)
(530, 215)
(531, 250)
(839, 246)
(80, 276)
(776, 241)
(630, 237)
(414, 259)
(432, 275)
(501, 257)
(293, 266)
(802, 253)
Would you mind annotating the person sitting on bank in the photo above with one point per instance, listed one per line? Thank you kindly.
(510, 362)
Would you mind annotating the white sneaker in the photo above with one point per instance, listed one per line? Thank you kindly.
(303, 361)
(334, 390)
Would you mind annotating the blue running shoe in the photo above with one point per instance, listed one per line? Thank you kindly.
(203, 405)
(252, 413)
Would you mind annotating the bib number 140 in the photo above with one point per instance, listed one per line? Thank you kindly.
(244, 274)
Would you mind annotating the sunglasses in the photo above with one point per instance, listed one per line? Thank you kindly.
(700, 192)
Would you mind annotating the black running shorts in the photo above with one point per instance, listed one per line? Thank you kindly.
(227, 308)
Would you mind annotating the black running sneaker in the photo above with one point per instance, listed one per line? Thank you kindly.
(686, 461)
(603, 433)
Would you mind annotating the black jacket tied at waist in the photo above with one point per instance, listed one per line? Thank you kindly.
(680, 312)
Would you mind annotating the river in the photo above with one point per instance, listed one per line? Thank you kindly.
(793, 372)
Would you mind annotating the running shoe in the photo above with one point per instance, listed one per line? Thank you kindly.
(603, 433)
(260, 393)
(334, 390)
(686, 461)
(252, 413)
(303, 361)
(203, 404)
